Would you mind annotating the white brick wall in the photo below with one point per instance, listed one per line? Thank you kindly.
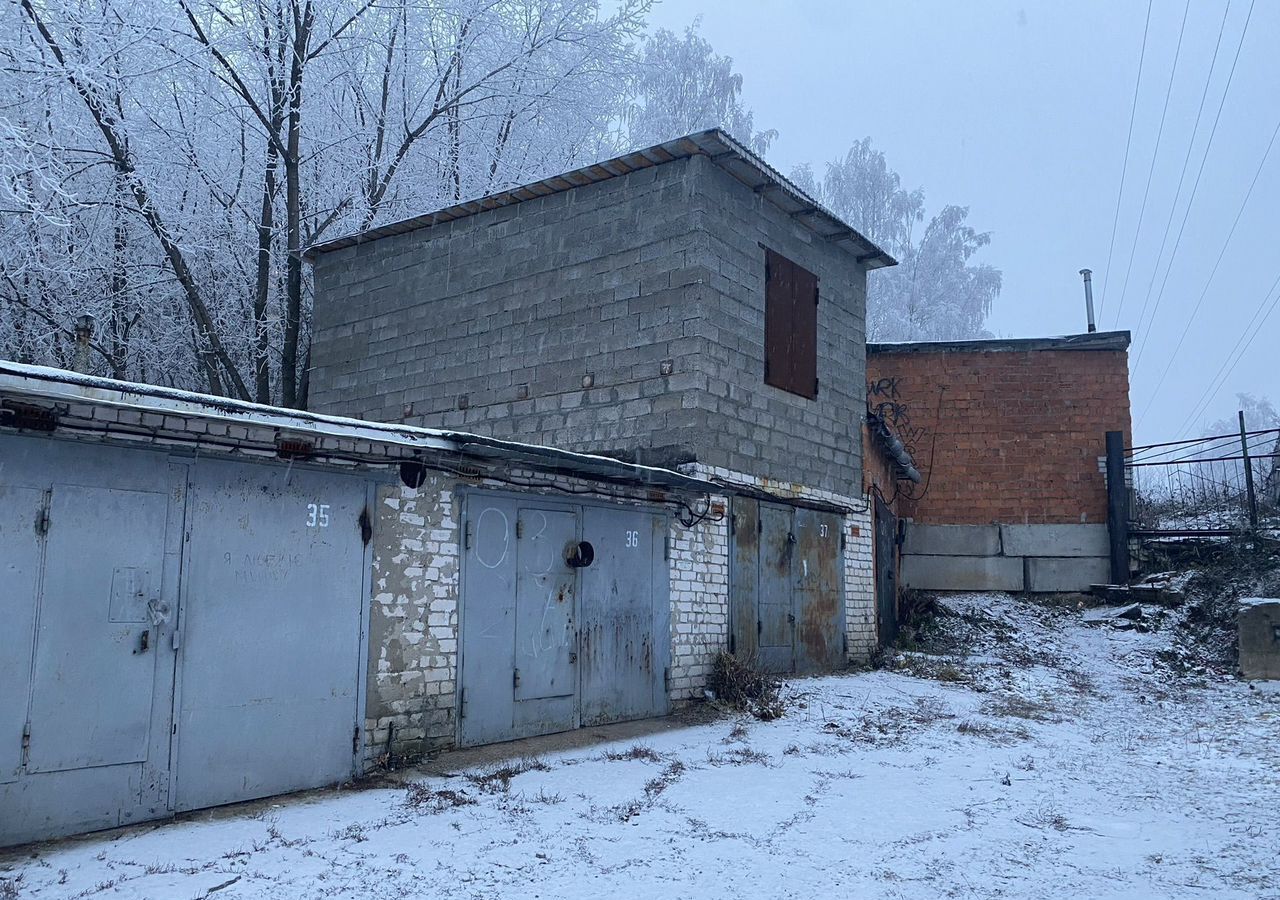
(699, 600)
(413, 652)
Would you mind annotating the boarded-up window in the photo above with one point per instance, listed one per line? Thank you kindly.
(790, 326)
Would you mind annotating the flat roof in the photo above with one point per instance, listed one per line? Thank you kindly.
(1097, 340)
(715, 144)
(40, 383)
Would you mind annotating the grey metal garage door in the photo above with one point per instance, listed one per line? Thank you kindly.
(547, 643)
(88, 596)
(224, 634)
(272, 625)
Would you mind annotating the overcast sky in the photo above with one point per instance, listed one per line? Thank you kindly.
(1020, 111)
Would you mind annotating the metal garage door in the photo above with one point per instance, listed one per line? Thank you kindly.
(87, 590)
(549, 643)
(255, 657)
(272, 624)
(786, 594)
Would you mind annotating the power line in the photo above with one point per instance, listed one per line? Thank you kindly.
(1155, 154)
(1186, 160)
(1233, 358)
(1124, 169)
(1173, 255)
(1212, 272)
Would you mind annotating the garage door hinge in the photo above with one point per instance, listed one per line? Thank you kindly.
(515, 678)
(355, 739)
(42, 521)
(466, 536)
(26, 743)
(666, 678)
(519, 529)
(462, 706)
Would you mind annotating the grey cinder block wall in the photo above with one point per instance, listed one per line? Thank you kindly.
(624, 316)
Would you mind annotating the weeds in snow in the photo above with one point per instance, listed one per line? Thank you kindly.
(423, 798)
(738, 756)
(498, 781)
(636, 752)
(740, 686)
(1020, 708)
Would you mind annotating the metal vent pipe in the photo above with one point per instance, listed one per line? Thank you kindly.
(1088, 297)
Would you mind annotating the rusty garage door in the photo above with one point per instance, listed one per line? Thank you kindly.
(178, 633)
(786, 595)
(565, 616)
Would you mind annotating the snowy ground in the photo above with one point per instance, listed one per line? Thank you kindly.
(1058, 760)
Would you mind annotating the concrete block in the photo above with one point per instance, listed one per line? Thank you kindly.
(952, 540)
(1047, 574)
(1259, 628)
(1055, 540)
(962, 573)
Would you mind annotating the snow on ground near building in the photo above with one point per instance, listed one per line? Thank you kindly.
(1057, 760)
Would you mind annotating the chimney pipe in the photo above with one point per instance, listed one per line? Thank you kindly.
(82, 357)
(1088, 297)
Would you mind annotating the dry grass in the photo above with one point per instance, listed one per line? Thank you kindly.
(498, 780)
(635, 752)
(740, 686)
(422, 798)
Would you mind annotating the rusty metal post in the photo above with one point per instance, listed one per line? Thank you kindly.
(1117, 508)
(1250, 496)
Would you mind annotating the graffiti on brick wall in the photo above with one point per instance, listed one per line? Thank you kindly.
(885, 400)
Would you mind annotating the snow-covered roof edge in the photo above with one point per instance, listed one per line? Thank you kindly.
(717, 145)
(61, 385)
(1095, 340)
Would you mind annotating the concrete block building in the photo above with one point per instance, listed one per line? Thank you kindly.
(682, 306)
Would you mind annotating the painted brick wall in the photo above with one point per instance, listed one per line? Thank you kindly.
(652, 284)
(1011, 436)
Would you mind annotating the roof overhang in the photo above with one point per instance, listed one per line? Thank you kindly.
(1096, 340)
(39, 384)
(716, 145)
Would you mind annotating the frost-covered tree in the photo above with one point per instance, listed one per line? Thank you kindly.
(683, 86)
(165, 163)
(1259, 415)
(936, 292)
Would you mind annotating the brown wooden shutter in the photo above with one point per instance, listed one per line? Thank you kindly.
(790, 326)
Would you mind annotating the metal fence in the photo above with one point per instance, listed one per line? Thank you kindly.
(1213, 486)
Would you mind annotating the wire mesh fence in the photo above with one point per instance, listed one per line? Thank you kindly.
(1220, 485)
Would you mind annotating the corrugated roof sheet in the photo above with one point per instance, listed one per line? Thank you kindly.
(716, 145)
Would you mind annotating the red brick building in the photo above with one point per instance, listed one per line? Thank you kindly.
(1008, 436)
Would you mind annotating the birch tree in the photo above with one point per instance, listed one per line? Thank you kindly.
(937, 291)
(164, 164)
(683, 86)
